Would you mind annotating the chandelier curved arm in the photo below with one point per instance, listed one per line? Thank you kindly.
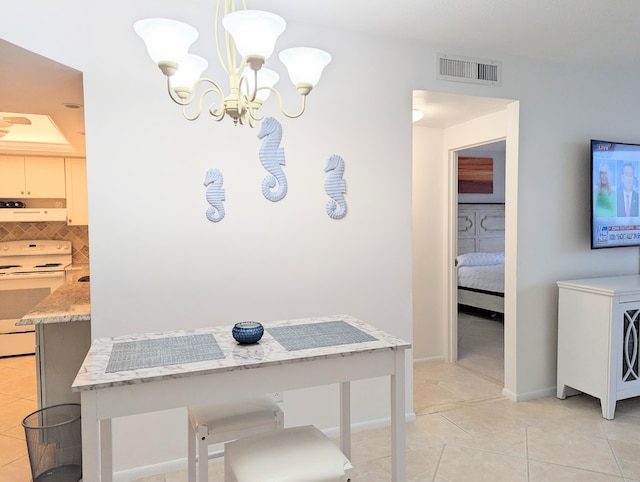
(253, 115)
(282, 109)
(184, 98)
(244, 82)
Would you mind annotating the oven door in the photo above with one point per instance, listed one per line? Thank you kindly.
(19, 294)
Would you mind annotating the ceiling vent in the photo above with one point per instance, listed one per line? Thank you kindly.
(465, 69)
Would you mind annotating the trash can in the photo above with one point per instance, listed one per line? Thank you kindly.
(54, 443)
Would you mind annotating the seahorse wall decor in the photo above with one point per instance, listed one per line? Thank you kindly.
(272, 157)
(335, 187)
(215, 195)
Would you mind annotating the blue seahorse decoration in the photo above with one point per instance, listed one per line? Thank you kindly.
(335, 187)
(272, 157)
(215, 195)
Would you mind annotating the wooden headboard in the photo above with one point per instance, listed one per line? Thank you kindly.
(480, 228)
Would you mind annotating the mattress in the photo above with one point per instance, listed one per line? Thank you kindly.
(488, 278)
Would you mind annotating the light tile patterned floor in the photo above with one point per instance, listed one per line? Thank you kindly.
(465, 430)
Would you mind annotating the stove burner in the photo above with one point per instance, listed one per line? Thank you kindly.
(48, 265)
(9, 266)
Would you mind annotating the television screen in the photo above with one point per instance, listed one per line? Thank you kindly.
(615, 216)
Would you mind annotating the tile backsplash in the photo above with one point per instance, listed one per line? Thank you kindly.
(78, 235)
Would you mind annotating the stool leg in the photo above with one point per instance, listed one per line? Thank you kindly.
(203, 454)
(191, 452)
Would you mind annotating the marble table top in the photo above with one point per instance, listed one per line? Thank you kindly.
(94, 372)
(70, 302)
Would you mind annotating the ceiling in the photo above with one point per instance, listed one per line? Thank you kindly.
(446, 110)
(573, 32)
(585, 32)
(32, 84)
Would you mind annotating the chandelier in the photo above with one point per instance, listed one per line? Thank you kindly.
(249, 35)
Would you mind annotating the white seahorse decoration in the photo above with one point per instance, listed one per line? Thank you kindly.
(272, 157)
(215, 195)
(335, 187)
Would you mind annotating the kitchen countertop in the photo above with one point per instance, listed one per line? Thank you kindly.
(70, 302)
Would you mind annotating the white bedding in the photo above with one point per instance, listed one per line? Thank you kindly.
(485, 278)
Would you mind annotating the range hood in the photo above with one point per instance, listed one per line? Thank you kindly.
(26, 215)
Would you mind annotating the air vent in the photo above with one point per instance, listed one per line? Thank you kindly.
(465, 69)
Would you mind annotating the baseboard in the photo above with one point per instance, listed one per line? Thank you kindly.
(181, 464)
(150, 470)
(523, 397)
(369, 425)
(433, 359)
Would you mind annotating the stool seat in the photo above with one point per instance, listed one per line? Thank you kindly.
(219, 423)
(296, 454)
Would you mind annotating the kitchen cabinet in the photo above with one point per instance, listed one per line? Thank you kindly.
(598, 339)
(30, 215)
(62, 323)
(76, 180)
(60, 351)
(32, 177)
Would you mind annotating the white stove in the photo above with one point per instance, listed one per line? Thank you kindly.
(23, 257)
(29, 272)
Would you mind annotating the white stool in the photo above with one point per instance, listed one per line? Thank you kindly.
(225, 422)
(296, 454)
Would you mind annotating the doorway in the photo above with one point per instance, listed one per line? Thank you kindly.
(480, 259)
(451, 124)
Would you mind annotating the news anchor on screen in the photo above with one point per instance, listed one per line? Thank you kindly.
(627, 196)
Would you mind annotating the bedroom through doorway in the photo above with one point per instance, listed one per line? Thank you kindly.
(480, 259)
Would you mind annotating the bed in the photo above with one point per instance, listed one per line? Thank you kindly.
(480, 260)
(481, 281)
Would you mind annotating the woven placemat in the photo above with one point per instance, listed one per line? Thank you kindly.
(317, 335)
(157, 352)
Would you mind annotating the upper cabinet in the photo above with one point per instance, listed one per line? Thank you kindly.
(32, 177)
(76, 172)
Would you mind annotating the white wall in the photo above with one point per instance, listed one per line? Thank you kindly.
(157, 263)
(547, 196)
(429, 188)
(265, 261)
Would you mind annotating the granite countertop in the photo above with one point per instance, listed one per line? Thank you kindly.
(70, 302)
(125, 360)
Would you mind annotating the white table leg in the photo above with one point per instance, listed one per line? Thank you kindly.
(345, 419)
(398, 462)
(106, 451)
(191, 452)
(90, 437)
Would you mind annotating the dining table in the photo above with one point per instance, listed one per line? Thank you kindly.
(148, 372)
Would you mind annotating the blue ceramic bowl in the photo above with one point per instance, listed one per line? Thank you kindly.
(247, 332)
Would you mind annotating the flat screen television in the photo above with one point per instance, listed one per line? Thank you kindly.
(615, 216)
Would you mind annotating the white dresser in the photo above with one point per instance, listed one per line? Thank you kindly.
(598, 339)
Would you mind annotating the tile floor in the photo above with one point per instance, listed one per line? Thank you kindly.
(465, 430)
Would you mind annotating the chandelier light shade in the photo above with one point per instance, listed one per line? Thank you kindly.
(305, 65)
(167, 41)
(254, 32)
(190, 70)
(266, 78)
(248, 41)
